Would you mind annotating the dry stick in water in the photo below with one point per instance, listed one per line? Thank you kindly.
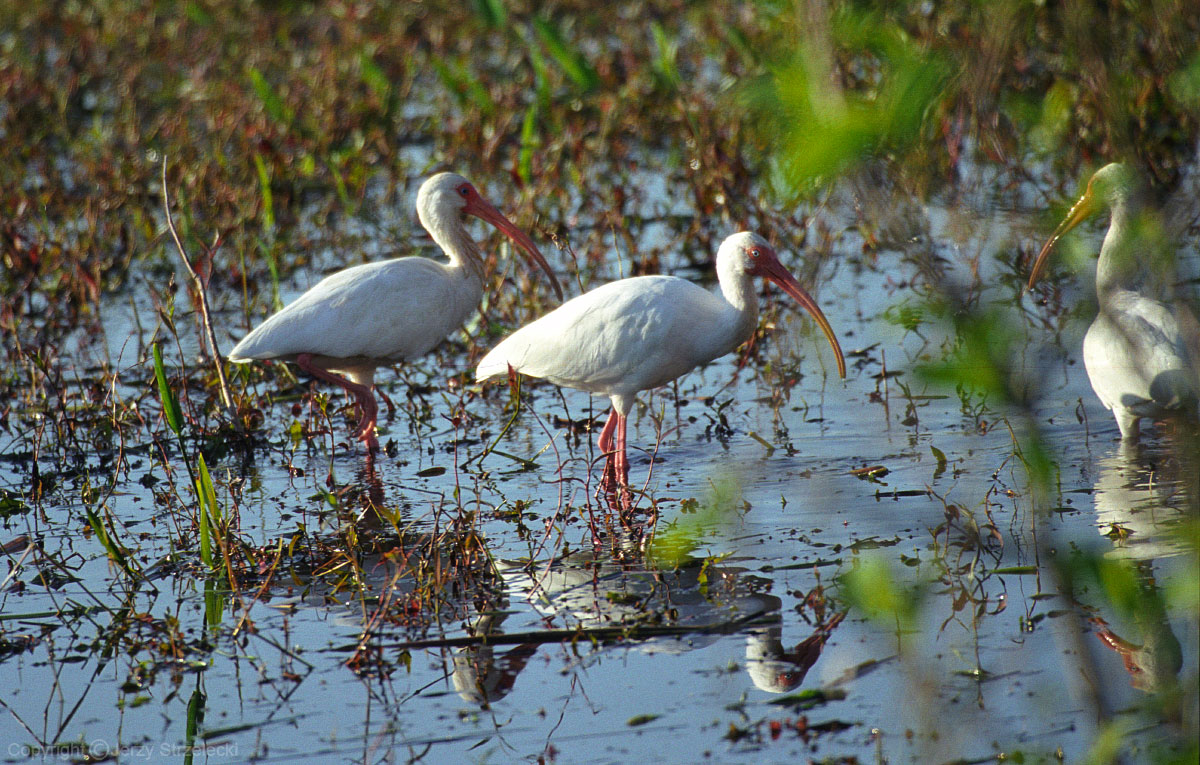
(211, 335)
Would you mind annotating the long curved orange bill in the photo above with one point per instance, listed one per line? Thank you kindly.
(772, 269)
(480, 208)
(1077, 214)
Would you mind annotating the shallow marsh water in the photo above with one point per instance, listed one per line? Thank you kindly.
(755, 508)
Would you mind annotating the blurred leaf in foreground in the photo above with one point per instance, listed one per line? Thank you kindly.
(675, 544)
(871, 587)
(817, 125)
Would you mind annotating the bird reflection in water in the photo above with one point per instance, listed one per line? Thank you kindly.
(776, 669)
(1142, 497)
(479, 676)
(585, 596)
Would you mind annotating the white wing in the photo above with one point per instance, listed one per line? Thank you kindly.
(623, 337)
(389, 311)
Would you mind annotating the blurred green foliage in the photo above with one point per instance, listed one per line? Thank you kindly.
(718, 508)
(925, 84)
(872, 587)
(819, 127)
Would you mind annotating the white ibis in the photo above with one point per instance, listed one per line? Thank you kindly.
(1136, 355)
(377, 314)
(635, 334)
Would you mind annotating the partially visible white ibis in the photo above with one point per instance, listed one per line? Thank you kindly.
(635, 334)
(376, 314)
(1141, 356)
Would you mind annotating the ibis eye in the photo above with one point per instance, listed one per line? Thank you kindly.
(464, 190)
(755, 253)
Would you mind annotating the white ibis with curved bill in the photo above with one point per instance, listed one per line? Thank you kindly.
(376, 314)
(635, 334)
(1141, 355)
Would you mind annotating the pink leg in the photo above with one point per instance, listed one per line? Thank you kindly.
(616, 471)
(365, 431)
(622, 466)
(605, 442)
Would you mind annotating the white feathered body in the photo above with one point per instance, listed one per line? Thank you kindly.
(624, 337)
(1137, 360)
(382, 312)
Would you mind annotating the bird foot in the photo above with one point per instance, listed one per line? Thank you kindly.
(365, 432)
(609, 482)
(616, 491)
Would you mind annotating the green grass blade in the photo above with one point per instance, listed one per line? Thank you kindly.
(664, 64)
(529, 142)
(339, 185)
(373, 77)
(271, 254)
(102, 537)
(210, 514)
(170, 404)
(541, 78)
(210, 494)
(205, 533)
(572, 61)
(195, 713)
(214, 604)
(115, 552)
(198, 15)
(264, 185)
(493, 13)
(271, 101)
(465, 87)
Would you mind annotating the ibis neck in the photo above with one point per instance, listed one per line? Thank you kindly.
(739, 292)
(1117, 268)
(462, 251)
